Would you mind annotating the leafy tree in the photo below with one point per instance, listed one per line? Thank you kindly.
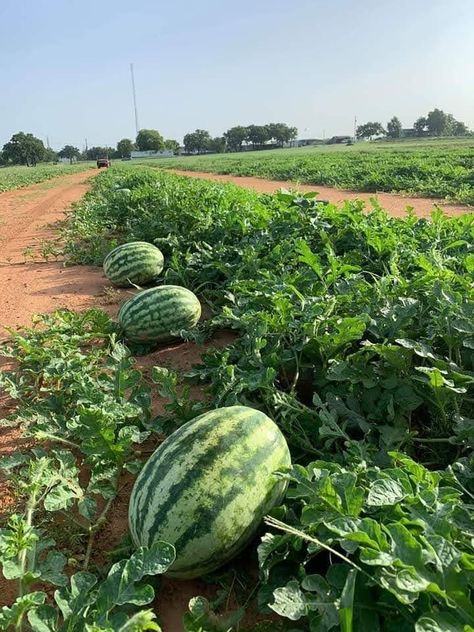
(150, 140)
(172, 145)
(99, 152)
(125, 147)
(197, 141)
(460, 129)
(394, 128)
(258, 134)
(70, 152)
(24, 149)
(49, 155)
(420, 126)
(217, 145)
(281, 132)
(369, 130)
(235, 136)
(438, 122)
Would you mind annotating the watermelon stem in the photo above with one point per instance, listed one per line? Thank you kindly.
(98, 524)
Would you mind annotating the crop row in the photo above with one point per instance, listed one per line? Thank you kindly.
(19, 177)
(355, 334)
(439, 172)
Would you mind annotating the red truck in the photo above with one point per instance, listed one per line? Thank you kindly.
(103, 162)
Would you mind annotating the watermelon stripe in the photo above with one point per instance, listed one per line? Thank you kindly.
(163, 311)
(126, 263)
(125, 257)
(147, 298)
(133, 263)
(272, 498)
(208, 486)
(170, 450)
(204, 515)
(151, 315)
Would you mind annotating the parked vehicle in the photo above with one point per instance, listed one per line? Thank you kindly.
(103, 162)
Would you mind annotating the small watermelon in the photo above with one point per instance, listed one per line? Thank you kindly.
(152, 315)
(135, 263)
(207, 488)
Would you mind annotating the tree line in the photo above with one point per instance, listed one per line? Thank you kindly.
(435, 123)
(26, 149)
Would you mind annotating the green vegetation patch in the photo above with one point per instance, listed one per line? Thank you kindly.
(19, 177)
(439, 169)
(353, 332)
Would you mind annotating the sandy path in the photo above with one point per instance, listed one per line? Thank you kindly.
(394, 204)
(35, 287)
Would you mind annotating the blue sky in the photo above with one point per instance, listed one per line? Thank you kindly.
(212, 64)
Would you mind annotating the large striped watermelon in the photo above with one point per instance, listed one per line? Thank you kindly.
(151, 315)
(135, 263)
(207, 488)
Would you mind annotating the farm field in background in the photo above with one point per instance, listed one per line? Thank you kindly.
(19, 177)
(352, 331)
(442, 168)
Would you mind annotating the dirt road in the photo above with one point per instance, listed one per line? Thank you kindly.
(393, 203)
(30, 285)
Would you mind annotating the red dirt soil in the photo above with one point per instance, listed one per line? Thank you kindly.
(394, 204)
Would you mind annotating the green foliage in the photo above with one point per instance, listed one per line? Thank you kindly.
(86, 407)
(399, 545)
(258, 134)
(235, 136)
(439, 123)
(354, 332)
(217, 145)
(19, 177)
(99, 152)
(125, 147)
(355, 335)
(23, 149)
(69, 151)
(198, 141)
(369, 130)
(172, 145)
(201, 618)
(85, 603)
(430, 170)
(149, 139)
(394, 128)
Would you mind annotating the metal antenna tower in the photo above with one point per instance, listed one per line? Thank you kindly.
(134, 98)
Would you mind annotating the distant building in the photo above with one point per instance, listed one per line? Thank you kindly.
(151, 154)
(410, 132)
(339, 140)
(304, 142)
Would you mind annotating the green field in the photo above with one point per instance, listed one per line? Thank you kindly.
(18, 177)
(441, 168)
(352, 330)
